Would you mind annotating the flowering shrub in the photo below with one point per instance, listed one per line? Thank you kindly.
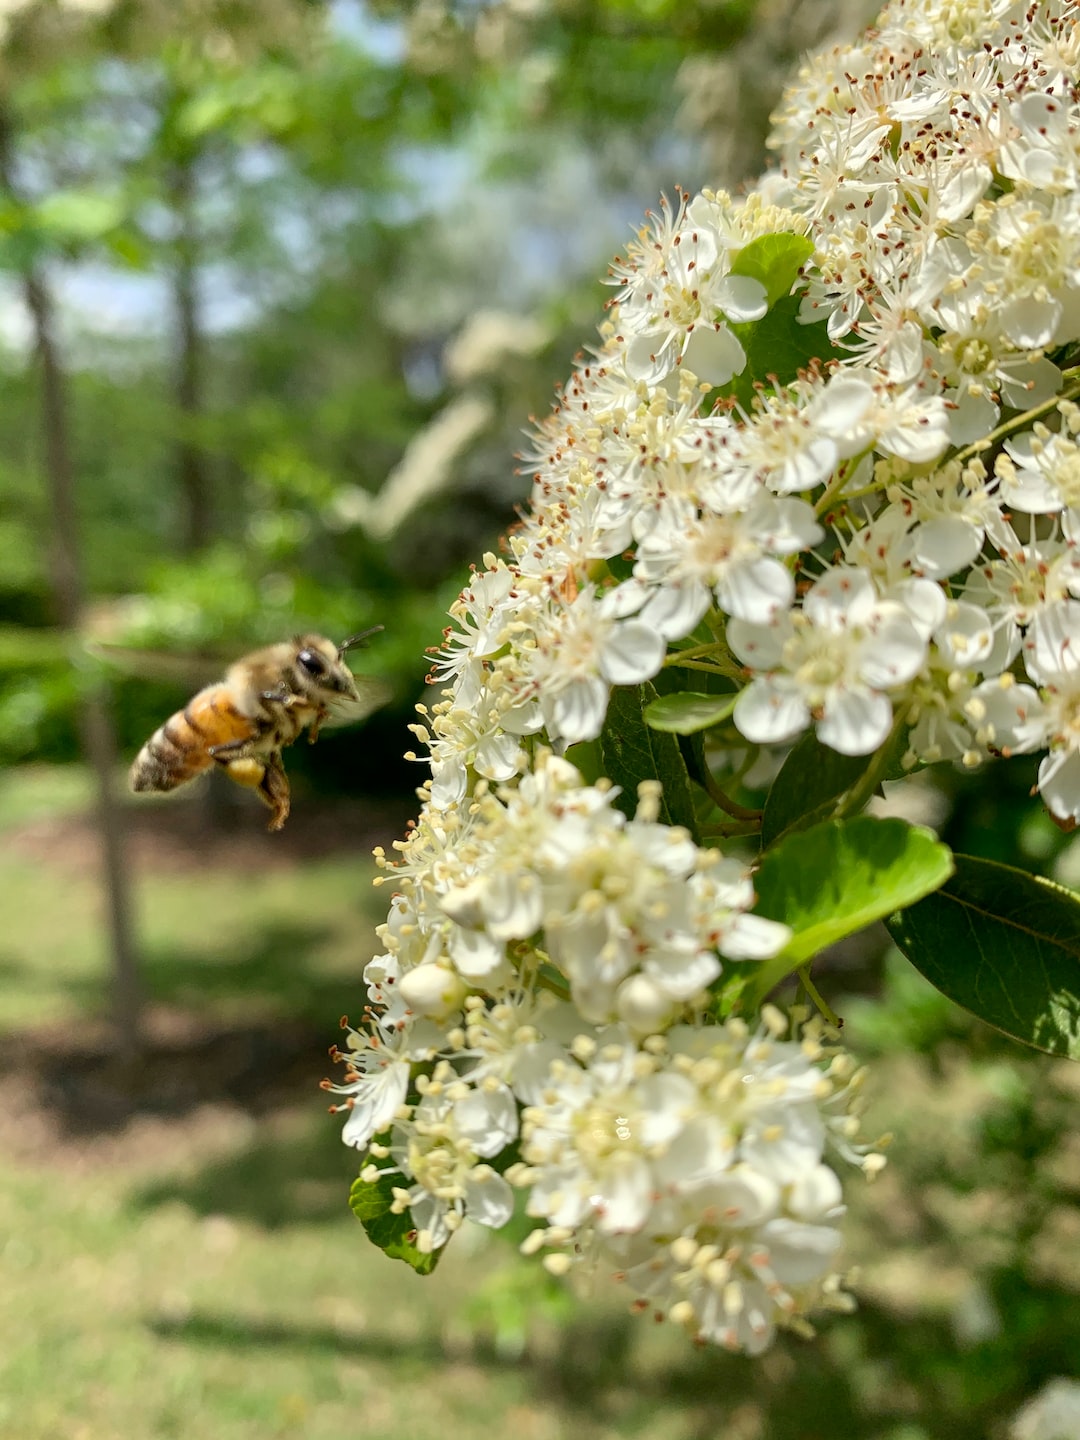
(805, 522)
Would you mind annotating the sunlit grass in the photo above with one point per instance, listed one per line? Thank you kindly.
(231, 942)
(177, 1258)
(34, 792)
(121, 1322)
(198, 1273)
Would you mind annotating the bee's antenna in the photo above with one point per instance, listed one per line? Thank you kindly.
(355, 640)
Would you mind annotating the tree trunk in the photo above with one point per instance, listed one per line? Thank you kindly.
(96, 727)
(69, 599)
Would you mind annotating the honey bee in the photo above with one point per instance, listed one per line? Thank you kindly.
(243, 723)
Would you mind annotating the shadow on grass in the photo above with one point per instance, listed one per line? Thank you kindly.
(257, 1066)
(234, 1332)
(870, 1374)
(275, 1181)
(270, 969)
(580, 1373)
(885, 1378)
(198, 1047)
(14, 971)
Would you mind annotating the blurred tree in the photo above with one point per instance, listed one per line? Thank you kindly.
(50, 218)
(309, 202)
(286, 213)
(32, 230)
(212, 92)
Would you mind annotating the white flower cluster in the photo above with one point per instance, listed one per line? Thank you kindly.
(693, 1171)
(689, 1166)
(632, 912)
(851, 502)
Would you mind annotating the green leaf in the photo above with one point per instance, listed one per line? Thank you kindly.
(839, 877)
(1005, 945)
(80, 215)
(34, 649)
(814, 781)
(774, 260)
(586, 755)
(687, 712)
(697, 767)
(395, 1235)
(129, 247)
(205, 112)
(21, 250)
(728, 991)
(777, 345)
(621, 566)
(632, 752)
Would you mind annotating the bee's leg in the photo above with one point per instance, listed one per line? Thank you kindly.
(257, 772)
(231, 750)
(287, 701)
(280, 696)
(265, 775)
(238, 763)
(320, 715)
(274, 790)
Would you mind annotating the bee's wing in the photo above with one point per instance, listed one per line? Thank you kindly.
(374, 694)
(191, 671)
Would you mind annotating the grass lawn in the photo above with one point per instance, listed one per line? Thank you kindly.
(177, 1257)
(176, 1253)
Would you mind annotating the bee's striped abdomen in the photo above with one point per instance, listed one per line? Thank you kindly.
(180, 749)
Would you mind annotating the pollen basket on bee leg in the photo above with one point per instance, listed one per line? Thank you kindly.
(249, 771)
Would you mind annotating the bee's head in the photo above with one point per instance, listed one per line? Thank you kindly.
(320, 670)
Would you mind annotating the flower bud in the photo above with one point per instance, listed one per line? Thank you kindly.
(432, 989)
(643, 1006)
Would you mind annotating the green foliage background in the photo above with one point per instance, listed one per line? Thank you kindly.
(259, 226)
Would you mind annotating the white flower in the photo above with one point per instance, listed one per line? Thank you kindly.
(676, 292)
(517, 1039)
(832, 662)
(434, 988)
(581, 651)
(1035, 237)
(1010, 718)
(542, 949)
(613, 898)
(954, 511)
(801, 437)
(1052, 657)
(688, 560)
(952, 25)
(948, 713)
(439, 1149)
(1015, 718)
(1054, 1413)
(1040, 472)
(376, 1083)
(589, 1144)
(980, 368)
(909, 423)
(481, 614)
(1025, 583)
